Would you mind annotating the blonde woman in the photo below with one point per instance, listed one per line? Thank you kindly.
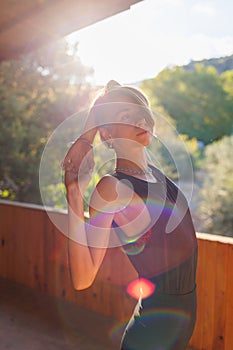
(138, 208)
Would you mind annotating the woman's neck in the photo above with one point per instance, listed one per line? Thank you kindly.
(136, 166)
(132, 160)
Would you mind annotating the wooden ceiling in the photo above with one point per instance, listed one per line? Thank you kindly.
(26, 25)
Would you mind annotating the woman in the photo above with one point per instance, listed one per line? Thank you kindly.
(139, 208)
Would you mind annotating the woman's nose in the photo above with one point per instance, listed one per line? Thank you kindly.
(141, 123)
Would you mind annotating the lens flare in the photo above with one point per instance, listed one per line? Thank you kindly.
(137, 246)
(141, 288)
(133, 249)
(51, 174)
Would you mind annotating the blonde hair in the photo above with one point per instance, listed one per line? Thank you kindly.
(113, 89)
(109, 101)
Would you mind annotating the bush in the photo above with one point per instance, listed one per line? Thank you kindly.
(217, 192)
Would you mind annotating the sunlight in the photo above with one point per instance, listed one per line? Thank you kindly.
(137, 44)
(140, 288)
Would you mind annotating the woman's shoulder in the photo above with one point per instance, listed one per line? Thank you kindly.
(107, 186)
(110, 191)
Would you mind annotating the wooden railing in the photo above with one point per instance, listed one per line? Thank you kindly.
(34, 252)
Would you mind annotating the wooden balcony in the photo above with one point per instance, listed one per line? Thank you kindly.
(33, 252)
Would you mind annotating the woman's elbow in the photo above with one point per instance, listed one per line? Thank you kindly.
(82, 284)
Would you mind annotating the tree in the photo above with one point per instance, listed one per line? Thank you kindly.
(196, 100)
(172, 152)
(227, 83)
(217, 192)
(37, 92)
(221, 64)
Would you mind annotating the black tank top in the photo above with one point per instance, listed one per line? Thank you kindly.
(167, 252)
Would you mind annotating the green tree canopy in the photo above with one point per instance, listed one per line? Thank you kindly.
(217, 192)
(197, 100)
(37, 92)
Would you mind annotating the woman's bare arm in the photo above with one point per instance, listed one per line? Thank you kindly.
(88, 240)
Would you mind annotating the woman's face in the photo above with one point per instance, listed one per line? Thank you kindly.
(131, 122)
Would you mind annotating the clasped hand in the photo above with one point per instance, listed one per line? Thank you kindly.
(78, 164)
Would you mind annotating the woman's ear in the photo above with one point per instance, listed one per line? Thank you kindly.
(104, 134)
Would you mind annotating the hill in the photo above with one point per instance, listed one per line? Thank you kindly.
(221, 64)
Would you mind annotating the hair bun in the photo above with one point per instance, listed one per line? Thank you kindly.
(111, 85)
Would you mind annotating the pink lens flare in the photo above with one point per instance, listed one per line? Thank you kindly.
(141, 288)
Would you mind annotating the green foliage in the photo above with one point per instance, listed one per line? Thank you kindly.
(37, 93)
(172, 152)
(217, 193)
(198, 101)
(56, 196)
(221, 64)
(227, 83)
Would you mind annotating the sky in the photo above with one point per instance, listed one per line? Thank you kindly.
(137, 44)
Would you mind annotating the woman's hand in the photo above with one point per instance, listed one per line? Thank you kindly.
(79, 163)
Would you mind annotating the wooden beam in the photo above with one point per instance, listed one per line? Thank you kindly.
(27, 25)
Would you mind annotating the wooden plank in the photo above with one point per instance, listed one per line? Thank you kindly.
(229, 301)
(35, 253)
(6, 240)
(220, 268)
(203, 334)
(31, 252)
(197, 337)
(209, 294)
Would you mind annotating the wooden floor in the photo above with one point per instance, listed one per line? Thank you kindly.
(30, 320)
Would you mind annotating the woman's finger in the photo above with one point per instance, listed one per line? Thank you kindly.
(76, 154)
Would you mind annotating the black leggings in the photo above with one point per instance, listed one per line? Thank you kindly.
(161, 327)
